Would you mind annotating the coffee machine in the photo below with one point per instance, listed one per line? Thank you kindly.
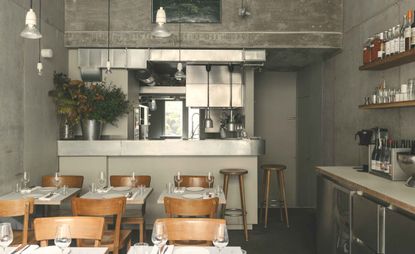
(141, 122)
(365, 139)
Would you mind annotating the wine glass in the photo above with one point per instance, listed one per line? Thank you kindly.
(25, 179)
(210, 179)
(133, 180)
(159, 235)
(6, 235)
(221, 238)
(63, 237)
(178, 179)
(57, 180)
(101, 180)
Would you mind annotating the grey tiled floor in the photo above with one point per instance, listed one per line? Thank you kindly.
(276, 238)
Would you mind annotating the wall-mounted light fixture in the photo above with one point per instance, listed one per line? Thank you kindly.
(30, 31)
(160, 29)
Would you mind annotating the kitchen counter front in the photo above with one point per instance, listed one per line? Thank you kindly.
(208, 147)
(395, 193)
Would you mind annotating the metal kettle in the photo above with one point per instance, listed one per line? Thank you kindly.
(365, 137)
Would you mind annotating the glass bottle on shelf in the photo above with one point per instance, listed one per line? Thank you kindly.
(413, 33)
(375, 47)
(397, 39)
(387, 43)
(366, 51)
(408, 31)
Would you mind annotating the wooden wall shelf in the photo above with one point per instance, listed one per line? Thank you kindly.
(390, 61)
(400, 104)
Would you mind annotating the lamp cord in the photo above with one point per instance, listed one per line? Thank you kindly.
(31, 4)
(208, 68)
(230, 67)
(108, 35)
(40, 24)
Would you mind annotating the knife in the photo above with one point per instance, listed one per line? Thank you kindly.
(21, 248)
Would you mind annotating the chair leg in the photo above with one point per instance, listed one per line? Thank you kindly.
(268, 183)
(141, 240)
(242, 193)
(285, 200)
(280, 197)
(225, 190)
(263, 196)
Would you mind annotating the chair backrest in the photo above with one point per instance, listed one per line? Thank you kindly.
(124, 180)
(102, 207)
(195, 181)
(188, 207)
(70, 181)
(191, 229)
(18, 207)
(80, 227)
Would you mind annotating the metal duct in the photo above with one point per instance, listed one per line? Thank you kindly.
(90, 74)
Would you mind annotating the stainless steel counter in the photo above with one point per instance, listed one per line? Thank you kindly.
(210, 147)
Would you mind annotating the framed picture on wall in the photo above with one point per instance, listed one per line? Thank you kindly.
(189, 11)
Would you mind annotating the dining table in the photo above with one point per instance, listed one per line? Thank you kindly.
(192, 193)
(171, 249)
(50, 196)
(36, 249)
(135, 196)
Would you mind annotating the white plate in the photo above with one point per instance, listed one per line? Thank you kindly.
(122, 188)
(47, 250)
(190, 250)
(48, 189)
(34, 195)
(195, 188)
(113, 195)
(193, 196)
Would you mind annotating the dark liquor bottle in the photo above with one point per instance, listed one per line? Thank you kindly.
(408, 31)
(413, 33)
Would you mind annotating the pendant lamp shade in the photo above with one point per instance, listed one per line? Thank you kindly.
(30, 31)
(160, 29)
(179, 75)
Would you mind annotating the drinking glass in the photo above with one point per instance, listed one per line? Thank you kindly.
(25, 179)
(133, 180)
(141, 189)
(57, 180)
(221, 238)
(178, 179)
(63, 237)
(140, 248)
(6, 235)
(210, 179)
(159, 235)
(101, 180)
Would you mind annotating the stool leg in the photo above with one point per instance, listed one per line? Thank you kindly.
(280, 197)
(263, 195)
(285, 199)
(225, 190)
(268, 177)
(242, 193)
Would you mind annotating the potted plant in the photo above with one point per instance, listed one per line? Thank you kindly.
(64, 95)
(98, 104)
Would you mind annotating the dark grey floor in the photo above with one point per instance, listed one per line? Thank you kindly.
(276, 238)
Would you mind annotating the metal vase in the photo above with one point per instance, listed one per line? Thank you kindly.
(91, 129)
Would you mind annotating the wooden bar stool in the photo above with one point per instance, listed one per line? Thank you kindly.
(266, 180)
(234, 212)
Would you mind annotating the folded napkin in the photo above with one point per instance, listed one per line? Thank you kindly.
(105, 190)
(179, 189)
(133, 196)
(26, 191)
(169, 250)
(49, 196)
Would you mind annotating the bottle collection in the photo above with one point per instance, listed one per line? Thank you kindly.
(395, 40)
(382, 94)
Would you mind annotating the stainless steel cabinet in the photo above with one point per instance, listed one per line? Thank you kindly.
(399, 233)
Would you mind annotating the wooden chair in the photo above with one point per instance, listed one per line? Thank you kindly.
(70, 181)
(115, 239)
(133, 216)
(17, 208)
(186, 207)
(81, 227)
(191, 229)
(194, 181)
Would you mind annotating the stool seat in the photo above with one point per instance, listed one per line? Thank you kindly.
(273, 167)
(233, 171)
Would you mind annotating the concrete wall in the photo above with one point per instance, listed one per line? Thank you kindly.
(28, 126)
(273, 24)
(275, 121)
(344, 86)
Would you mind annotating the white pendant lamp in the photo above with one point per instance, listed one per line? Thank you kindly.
(179, 75)
(208, 120)
(108, 65)
(30, 31)
(160, 29)
(39, 65)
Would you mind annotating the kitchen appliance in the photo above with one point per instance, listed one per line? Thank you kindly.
(365, 137)
(141, 122)
(406, 161)
(395, 172)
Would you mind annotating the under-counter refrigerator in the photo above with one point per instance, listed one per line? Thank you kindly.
(399, 232)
